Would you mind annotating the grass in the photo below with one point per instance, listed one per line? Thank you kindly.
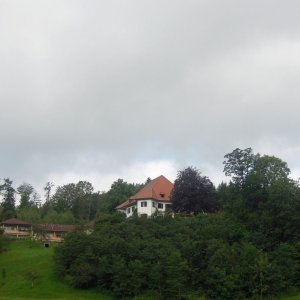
(295, 297)
(21, 258)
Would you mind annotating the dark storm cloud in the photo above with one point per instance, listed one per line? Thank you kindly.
(97, 87)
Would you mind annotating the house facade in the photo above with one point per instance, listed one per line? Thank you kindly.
(16, 228)
(154, 197)
(54, 232)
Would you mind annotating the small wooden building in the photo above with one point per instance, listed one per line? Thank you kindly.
(16, 228)
(54, 232)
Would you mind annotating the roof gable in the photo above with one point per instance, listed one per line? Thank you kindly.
(158, 189)
(15, 221)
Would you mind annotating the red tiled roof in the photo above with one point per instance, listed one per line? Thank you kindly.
(158, 189)
(15, 221)
(125, 204)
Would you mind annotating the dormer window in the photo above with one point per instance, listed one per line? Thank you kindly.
(162, 195)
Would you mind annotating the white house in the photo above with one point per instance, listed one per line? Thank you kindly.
(153, 197)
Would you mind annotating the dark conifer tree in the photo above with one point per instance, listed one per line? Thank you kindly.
(9, 201)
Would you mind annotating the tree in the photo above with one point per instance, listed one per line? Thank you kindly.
(30, 214)
(238, 164)
(32, 275)
(84, 188)
(262, 196)
(9, 201)
(25, 190)
(120, 191)
(193, 193)
(83, 202)
(63, 198)
(74, 198)
(269, 169)
(52, 216)
(48, 188)
(36, 199)
(267, 172)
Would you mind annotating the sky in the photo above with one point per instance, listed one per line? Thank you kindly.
(101, 90)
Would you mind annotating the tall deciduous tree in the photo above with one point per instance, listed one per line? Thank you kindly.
(82, 203)
(193, 193)
(120, 191)
(262, 195)
(36, 199)
(25, 190)
(48, 188)
(73, 198)
(238, 164)
(63, 198)
(269, 169)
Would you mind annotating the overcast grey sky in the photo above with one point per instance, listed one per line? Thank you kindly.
(100, 90)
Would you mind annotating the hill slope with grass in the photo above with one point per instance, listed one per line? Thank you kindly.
(23, 262)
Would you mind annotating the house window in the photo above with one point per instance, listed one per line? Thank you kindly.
(160, 206)
(144, 204)
(128, 210)
(168, 206)
(153, 204)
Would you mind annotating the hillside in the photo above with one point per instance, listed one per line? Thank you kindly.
(21, 259)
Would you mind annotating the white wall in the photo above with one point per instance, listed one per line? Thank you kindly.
(132, 209)
(149, 210)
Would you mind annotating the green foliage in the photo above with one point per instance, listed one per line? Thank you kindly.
(262, 197)
(20, 258)
(210, 254)
(77, 199)
(31, 214)
(238, 164)
(53, 217)
(25, 190)
(48, 188)
(64, 197)
(9, 201)
(236, 271)
(119, 192)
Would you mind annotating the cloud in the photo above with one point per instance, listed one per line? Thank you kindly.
(136, 172)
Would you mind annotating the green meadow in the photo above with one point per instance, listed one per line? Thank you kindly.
(23, 258)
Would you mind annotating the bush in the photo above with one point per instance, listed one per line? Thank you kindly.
(208, 254)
